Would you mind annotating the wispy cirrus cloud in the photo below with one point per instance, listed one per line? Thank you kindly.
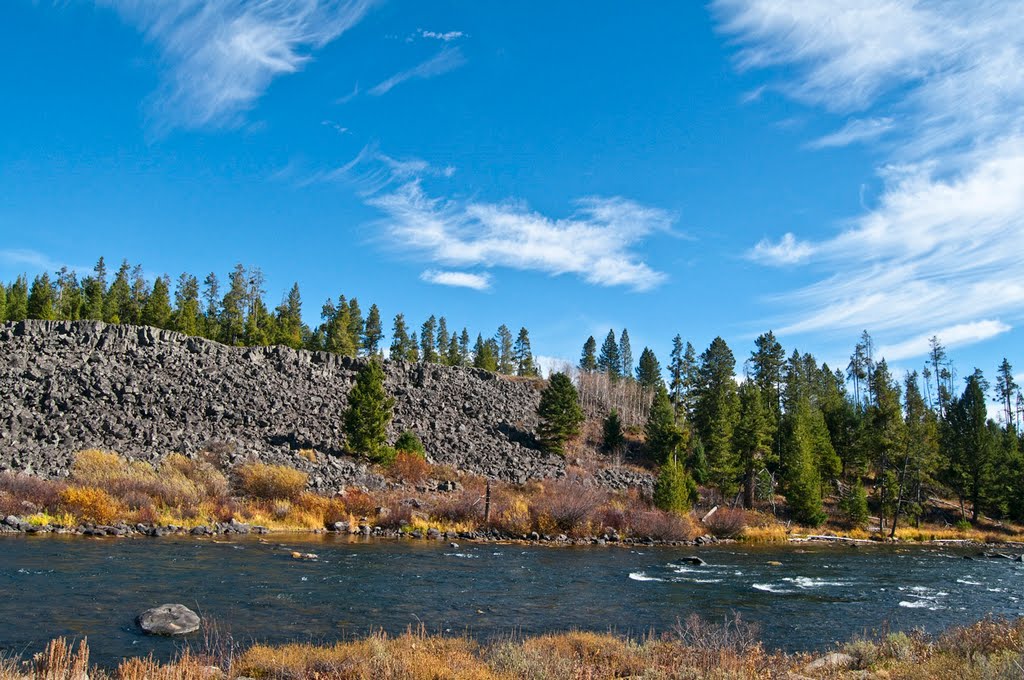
(944, 83)
(444, 36)
(457, 279)
(858, 130)
(221, 56)
(448, 59)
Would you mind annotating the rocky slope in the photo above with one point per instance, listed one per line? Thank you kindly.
(144, 392)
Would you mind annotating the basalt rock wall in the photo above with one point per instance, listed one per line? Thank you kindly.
(144, 392)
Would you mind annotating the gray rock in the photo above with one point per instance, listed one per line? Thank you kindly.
(832, 661)
(694, 560)
(12, 521)
(169, 619)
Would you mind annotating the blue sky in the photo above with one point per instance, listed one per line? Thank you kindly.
(718, 169)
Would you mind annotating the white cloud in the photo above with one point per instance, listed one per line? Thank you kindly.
(952, 337)
(855, 131)
(222, 56)
(446, 36)
(446, 60)
(784, 252)
(33, 263)
(595, 243)
(457, 279)
(547, 365)
(944, 82)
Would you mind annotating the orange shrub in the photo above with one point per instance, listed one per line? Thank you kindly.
(270, 482)
(726, 523)
(360, 503)
(90, 504)
(410, 467)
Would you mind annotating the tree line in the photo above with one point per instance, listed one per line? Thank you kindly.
(800, 427)
(235, 312)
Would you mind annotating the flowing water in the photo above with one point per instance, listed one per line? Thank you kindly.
(255, 591)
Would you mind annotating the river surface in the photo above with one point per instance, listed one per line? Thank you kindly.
(255, 591)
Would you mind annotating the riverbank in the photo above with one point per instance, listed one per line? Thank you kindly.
(991, 648)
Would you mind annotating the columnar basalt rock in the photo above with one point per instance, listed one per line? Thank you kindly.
(144, 392)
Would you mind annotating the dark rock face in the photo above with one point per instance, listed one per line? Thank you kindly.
(143, 392)
(169, 619)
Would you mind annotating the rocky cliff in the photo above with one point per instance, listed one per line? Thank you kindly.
(144, 392)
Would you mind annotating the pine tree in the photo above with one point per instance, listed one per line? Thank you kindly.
(610, 361)
(1006, 391)
(921, 452)
(93, 289)
(68, 302)
(186, 317)
(485, 355)
(355, 326)
(232, 307)
(260, 329)
(289, 319)
(715, 414)
(588, 358)
(560, 413)
(372, 332)
(369, 413)
(428, 353)
(664, 436)
(752, 438)
(648, 371)
(157, 310)
(886, 435)
(674, 490)
(117, 305)
(399, 340)
(443, 340)
(675, 372)
(453, 357)
(691, 381)
(17, 300)
(3, 302)
(626, 354)
(968, 446)
(139, 292)
(767, 362)
(211, 313)
(613, 440)
(801, 473)
(339, 329)
(854, 505)
(523, 355)
(505, 356)
(412, 350)
(40, 299)
(464, 355)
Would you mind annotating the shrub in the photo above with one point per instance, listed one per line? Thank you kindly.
(854, 505)
(410, 443)
(91, 504)
(270, 482)
(359, 503)
(104, 469)
(410, 467)
(661, 526)
(461, 507)
(17, 489)
(566, 508)
(726, 523)
(199, 477)
(308, 454)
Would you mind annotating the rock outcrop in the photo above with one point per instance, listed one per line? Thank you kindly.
(169, 619)
(144, 392)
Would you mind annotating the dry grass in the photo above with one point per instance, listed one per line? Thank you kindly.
(775, 533)
(270, 482)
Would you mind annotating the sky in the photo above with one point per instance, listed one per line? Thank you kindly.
(703, 169)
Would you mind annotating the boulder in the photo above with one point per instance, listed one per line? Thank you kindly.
(169, 619)
(694, 560)
(834, 661)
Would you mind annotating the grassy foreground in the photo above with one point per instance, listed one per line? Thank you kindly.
(989, 649)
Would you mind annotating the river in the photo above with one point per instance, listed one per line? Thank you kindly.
(255, 591)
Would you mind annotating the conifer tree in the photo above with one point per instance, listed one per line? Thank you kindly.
(259, 325)
(211, 311)
(613, 440)
(610, 361)
(399, 339)
(186, 317)
(40, 299)
(412, 350)
(1006, 391)
(443, 340)
(372, 332)
(648, 371)
(339, 330)
(157, 310)
(505, 356)
(3, 302)
(484, 355)
(523, 354)
(289, 319)
(588, 359)
(664, 436)
(355, 326)
(560, 413)
(752, 438)
(674, 490)
(428, 352)
(968, 444)
(117, 305)
(886, 435)
(626, 354)
(93, 289)
(369, 413)
(854, 505)
(464, 355)
(453, 356)
(139, 291)
(675, 372)
(68, 300)
(17, 300)
(715, 414)
(802, 482)
(232, 307)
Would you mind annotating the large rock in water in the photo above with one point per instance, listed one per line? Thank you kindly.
(169, 619)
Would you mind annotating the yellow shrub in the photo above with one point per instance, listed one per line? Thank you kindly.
(93, 467)
(271, 482)
(308, 454)
(90, 504)
(206, 480)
